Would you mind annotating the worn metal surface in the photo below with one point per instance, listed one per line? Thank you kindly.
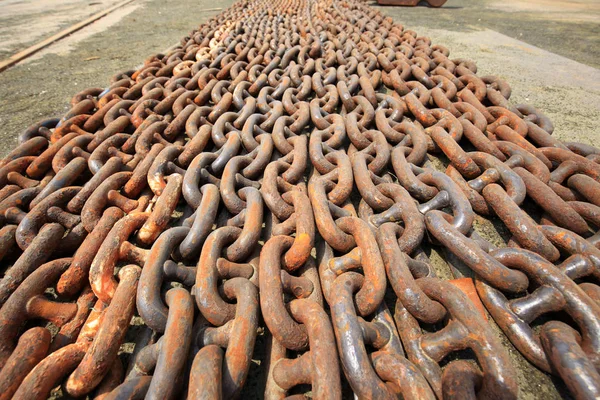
(288, 168)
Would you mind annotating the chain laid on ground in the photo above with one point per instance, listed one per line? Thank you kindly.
(285, 164)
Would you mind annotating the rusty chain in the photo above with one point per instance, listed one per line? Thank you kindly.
(287, 171)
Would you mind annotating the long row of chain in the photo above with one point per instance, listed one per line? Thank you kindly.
(150, 196)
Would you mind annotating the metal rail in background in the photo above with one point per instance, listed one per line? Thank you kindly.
(25, 53)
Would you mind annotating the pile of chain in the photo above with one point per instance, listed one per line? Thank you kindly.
(285, 172)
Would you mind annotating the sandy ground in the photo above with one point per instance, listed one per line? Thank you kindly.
(548, 50)
(586, 10)
(570, 28)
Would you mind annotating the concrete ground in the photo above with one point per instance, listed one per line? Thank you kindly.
(548, 50)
